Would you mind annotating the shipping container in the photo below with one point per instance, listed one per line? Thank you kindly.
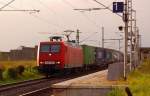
(109, 56)
(89, 54)
(100, 56)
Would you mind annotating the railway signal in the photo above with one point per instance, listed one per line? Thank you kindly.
(118, 7)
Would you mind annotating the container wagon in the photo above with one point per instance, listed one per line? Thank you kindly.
(100, 57)
(88, 55)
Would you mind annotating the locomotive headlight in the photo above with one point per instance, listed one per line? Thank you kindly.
(50, 54)
(58, 62)
(41, 62)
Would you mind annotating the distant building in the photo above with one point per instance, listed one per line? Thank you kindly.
(23, 53)
(4, 56)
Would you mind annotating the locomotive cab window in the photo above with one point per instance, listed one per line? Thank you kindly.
(45, 48)
(55, 48)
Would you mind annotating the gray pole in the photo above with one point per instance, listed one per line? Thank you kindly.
(77, 36)
(135, 43)
(119, 45)
(130, 10)
(126, 37)
(102, 37)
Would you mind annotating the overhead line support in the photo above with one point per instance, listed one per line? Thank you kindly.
(7, 4)
(22, 10)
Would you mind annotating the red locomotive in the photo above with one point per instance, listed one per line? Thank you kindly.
(56, 55)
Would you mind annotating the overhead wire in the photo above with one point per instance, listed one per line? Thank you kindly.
(7, 4)
(108, 7)
(37, 17)
(89, 19)
(40, 2)
(68, 3)
(83, 14)
(88, 37)
(46, 21)
(50, 10)
(72, 6)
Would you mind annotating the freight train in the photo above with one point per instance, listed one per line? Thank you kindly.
(57, 55)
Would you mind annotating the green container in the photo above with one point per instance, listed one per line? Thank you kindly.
(88, 54)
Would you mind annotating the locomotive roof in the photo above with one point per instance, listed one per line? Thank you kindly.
(61, 42)
(48, 42)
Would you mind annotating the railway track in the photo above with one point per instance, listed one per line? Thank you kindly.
(28, 86)
(39, 87)
(13, 85)
(41, 92)
(17, 88)
(47, 91)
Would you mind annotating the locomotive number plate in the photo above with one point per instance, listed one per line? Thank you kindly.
(49, 62)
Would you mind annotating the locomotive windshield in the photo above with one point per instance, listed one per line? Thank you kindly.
(45, 48)
(55, 48)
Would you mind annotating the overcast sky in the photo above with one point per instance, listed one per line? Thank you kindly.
(55, 16)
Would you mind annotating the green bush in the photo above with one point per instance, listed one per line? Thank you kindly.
(1, 74)
(35, 69)
(2, 69)
(20, 69)
(12, 73)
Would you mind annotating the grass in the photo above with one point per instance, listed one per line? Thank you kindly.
(117, 92)
(26, 76)
(8, 64)
(138, 80)
(29, 73)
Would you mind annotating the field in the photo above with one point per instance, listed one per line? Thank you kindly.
(30, 71)
(138, 80)
(10, 64)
